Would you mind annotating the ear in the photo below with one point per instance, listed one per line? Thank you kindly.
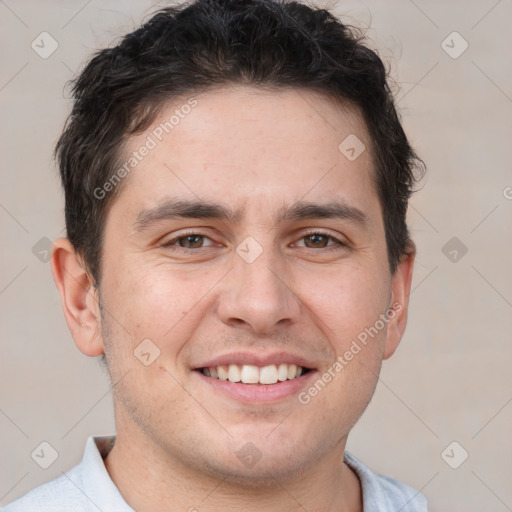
(80, 300)
(399, 302)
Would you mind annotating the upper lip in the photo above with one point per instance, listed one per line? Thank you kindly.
(251, 358)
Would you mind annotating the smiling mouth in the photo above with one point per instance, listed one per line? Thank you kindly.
(250, 374)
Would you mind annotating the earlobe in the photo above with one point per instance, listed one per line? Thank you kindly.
(399, 302)
(78, 296)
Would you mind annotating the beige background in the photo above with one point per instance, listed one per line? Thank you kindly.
(451, 378)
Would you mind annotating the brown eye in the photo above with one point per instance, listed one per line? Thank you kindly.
(188, 241)
(317, 240)
(191, 241)
(320, 240)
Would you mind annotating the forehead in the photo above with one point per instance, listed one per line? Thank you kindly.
(250, 148)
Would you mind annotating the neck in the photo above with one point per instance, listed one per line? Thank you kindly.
(157, 480)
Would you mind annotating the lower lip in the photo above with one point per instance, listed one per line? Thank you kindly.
(264, 393)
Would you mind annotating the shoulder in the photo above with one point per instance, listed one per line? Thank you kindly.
(86, 487)
(59, 495)
(382, 493)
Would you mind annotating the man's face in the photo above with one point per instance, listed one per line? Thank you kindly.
(264, 288)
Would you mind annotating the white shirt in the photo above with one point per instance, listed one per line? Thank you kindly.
(88, 488)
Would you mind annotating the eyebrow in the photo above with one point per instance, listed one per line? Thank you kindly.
(196, 209)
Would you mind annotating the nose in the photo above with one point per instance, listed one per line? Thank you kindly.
(258, 297)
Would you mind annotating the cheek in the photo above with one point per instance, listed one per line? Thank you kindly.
(357, 335)
(347, 300)
(152, 301)
(160, 304)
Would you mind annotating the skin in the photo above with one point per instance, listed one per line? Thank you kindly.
(257, 150)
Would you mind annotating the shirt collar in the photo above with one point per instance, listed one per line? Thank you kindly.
(103, 494)
(97, 485)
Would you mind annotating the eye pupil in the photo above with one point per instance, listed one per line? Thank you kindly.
(316, 238)
(195, 241)
(190, 240)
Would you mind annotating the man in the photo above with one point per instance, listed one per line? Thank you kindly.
(236, 182)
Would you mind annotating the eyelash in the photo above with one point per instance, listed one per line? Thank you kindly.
(336, 247)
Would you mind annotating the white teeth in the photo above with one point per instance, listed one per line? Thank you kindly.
(251, 374)
(223, 373)
(292, 371)
(234, 373)
(268, 374)
(282, 372)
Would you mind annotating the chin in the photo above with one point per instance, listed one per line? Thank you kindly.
(266, 473)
